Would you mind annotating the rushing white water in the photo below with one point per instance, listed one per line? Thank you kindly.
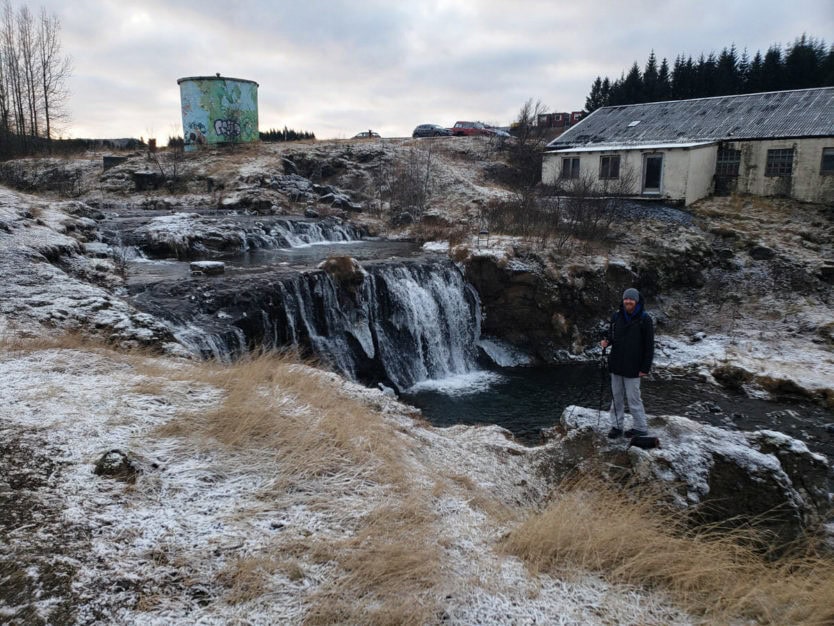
(398, 323)
(502, 353)
(405, 323)
(220, 346)
(457, 385)
(298, 234)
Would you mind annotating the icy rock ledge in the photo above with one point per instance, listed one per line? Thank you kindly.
(734, 476)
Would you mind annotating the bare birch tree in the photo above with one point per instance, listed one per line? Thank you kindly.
(33, 76)
(55, 69)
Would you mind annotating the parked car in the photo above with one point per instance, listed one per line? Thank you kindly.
(367, 134)
(431, 130)
(498, 132)
(465, 129)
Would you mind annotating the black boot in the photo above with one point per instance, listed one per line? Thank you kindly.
(633, 432)
(615, 433)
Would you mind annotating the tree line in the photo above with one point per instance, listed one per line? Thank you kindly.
(285, 135)
(33, 76)
(807, 62)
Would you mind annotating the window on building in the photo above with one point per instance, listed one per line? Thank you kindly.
(779, 162)
(728, 162)
(827, 165)
(609, 167)
(570, 167)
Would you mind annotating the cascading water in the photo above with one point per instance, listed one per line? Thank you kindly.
(189, 236)
(296, 233)
(424, 322)
(399, 323)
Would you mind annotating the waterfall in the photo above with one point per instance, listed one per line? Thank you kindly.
(221, 346)
(397, 322)
(297, 233)
(405, 323)
(425, 322)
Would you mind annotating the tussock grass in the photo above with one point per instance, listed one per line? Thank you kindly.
(324, 444)
(627, 539)
(272, 403)
(17, 342)
(248, 578)
(455, 234)
(390, 567)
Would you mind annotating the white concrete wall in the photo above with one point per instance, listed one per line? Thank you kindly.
(701, 172)
(806, 183)
(686, 175)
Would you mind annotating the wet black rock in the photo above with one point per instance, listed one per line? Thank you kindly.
(761, 253)
(117, 465)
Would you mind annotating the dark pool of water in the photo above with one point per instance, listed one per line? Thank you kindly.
(527, 399)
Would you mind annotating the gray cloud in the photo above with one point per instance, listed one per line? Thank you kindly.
(335, 67)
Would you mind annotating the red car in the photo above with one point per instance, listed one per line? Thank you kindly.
(461, 129)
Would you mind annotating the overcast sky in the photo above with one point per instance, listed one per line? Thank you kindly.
(336, 67)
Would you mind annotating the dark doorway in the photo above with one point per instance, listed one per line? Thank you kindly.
(652, 171)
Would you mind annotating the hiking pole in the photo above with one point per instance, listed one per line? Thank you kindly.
(601, 384)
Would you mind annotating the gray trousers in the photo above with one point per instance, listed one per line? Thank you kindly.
(622, 389)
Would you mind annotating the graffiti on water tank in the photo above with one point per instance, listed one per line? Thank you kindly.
(227, 128)
(195, 133)
(218, 110)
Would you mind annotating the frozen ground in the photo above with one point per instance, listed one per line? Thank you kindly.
(82, 548)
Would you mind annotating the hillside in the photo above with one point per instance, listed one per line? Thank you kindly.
(141, 485)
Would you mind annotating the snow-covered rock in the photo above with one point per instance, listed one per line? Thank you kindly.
(764, 476)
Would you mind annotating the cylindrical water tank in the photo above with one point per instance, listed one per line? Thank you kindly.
(217, 109)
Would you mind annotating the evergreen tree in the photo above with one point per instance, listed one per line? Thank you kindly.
(650, 80)
(803, 63)
(616, 94)
(595, 99)
(683, 79)
(633, 86)
(772, 69)
(808, 62)
(743, 72)
(706, 75)
(727, 79)
(664, 82)
(755, 75)
(827, 72)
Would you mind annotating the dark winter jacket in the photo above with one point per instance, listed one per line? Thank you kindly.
(631, 341)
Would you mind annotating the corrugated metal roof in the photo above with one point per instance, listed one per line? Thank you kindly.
(799, 113)
(612, 147)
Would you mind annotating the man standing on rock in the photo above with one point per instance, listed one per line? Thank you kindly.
(631, 337)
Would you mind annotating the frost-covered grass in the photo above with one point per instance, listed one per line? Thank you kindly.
(268, 492)
(723, 575)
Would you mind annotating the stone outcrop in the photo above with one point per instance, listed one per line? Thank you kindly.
(545, 309)
(761, 477)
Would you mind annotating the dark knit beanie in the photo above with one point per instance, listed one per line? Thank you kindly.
(632, 294)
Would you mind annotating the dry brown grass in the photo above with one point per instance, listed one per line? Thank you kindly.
(592, 526)
(390, 567)
(317, 445)
(273, 403)
(320, 438)
(247, 578)
(17, 342)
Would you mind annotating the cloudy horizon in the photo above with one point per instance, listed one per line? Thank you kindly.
(338, 67)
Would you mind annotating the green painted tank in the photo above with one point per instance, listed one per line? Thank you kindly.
(217, 109)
